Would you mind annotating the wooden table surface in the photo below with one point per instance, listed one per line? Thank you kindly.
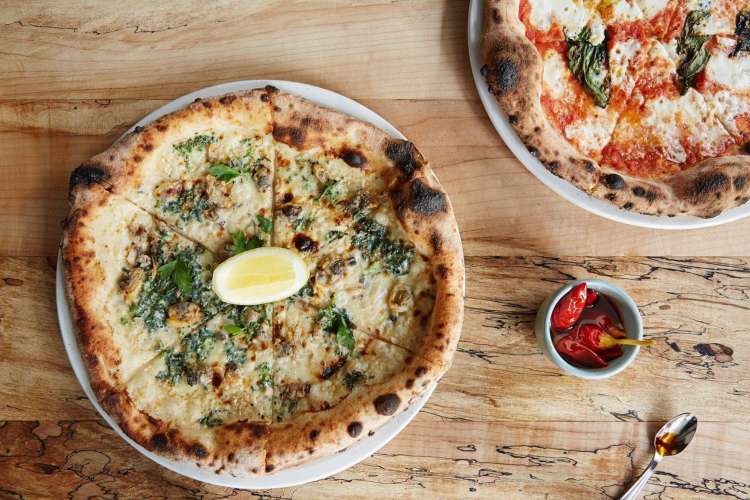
(503, 422)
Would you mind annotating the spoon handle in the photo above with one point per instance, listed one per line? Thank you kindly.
(632, 493)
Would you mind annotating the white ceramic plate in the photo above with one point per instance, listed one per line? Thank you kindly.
(561, 187)
(307, 472)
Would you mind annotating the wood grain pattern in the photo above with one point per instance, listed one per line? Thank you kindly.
(509, 422)
(503, 423)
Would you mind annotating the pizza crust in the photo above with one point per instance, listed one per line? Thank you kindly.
(247, 448)
(512, 67)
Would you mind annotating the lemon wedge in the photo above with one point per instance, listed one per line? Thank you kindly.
(259, 276)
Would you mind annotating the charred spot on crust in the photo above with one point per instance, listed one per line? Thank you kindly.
(147, 147)
(442, 271)
(628, 206)
(420, 371)
(314, 434)
(258, 430)
(747, 148)
(330, 370)
(270, 467)
(589, 166)
(137, 158)
(207, 104)
(513, 119)
(704, 185)
(159, 441)
(354, 429)
(161, 127)
(552, 166)
(293, 136)
(216, 380)
(387, 404)
(199, 451)
(739, 182)
(496, 15)
(614, 181)
(405, 156)
(409, 383)
(87, 175)
(502, 76)
(352, 157)
(611, 196)
(264, 98)
(228, 99)
(304, 243)
(425, 200)
(436, 242)
(138, 129)
(533, 151)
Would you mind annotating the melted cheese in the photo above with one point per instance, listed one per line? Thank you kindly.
(556, 75)
(571, 15)
(729, 107)
(671, 120)
(732, 73)
(624, 11)
(651, 8)
(593, 133)
(621, 57)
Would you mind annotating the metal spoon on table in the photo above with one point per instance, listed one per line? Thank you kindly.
(671, 439)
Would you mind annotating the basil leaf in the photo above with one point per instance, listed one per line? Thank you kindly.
(692, 48)
(181, 277)
(743, 33)
(233, 330)
(265, 224)
(166, 270)
(589, 63)
(241, 243)
(344, 336)
(223, 172)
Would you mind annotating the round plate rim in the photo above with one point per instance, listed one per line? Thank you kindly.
(562, 187)
(314, 470)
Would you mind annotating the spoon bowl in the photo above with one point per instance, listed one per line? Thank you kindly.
(671, 439)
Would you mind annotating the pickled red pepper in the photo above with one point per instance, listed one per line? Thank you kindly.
(587, 328)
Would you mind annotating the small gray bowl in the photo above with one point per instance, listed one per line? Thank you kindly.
(631, 317)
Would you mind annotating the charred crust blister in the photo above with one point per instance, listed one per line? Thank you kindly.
(740, 182)
(614, 181)
(426, 200)
(86, 175)
(502, 76)
(703, 186)
(354, 429)
(353, 158)
(387, 404)
(293, 136)
(405, 156)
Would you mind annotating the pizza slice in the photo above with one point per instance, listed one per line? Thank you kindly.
(667, 126)
(725, 84)
(208, 396)
(134, 283)
(206, 170)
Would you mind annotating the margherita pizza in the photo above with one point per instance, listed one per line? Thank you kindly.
(645, 103)
(253, 389)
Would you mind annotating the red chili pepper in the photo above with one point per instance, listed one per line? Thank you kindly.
(591, 297)
(599, 341)
(611, 354)
(578, 354)
(569, 308)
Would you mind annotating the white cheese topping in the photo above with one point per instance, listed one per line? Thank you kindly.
(624, 11)
(593, 133)
(620, 59)
(555, 75)
(732, 73)
(651, 8)
(729, 107)
(570, 14)
(670, 119)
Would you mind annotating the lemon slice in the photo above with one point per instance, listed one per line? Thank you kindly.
(259, 276)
